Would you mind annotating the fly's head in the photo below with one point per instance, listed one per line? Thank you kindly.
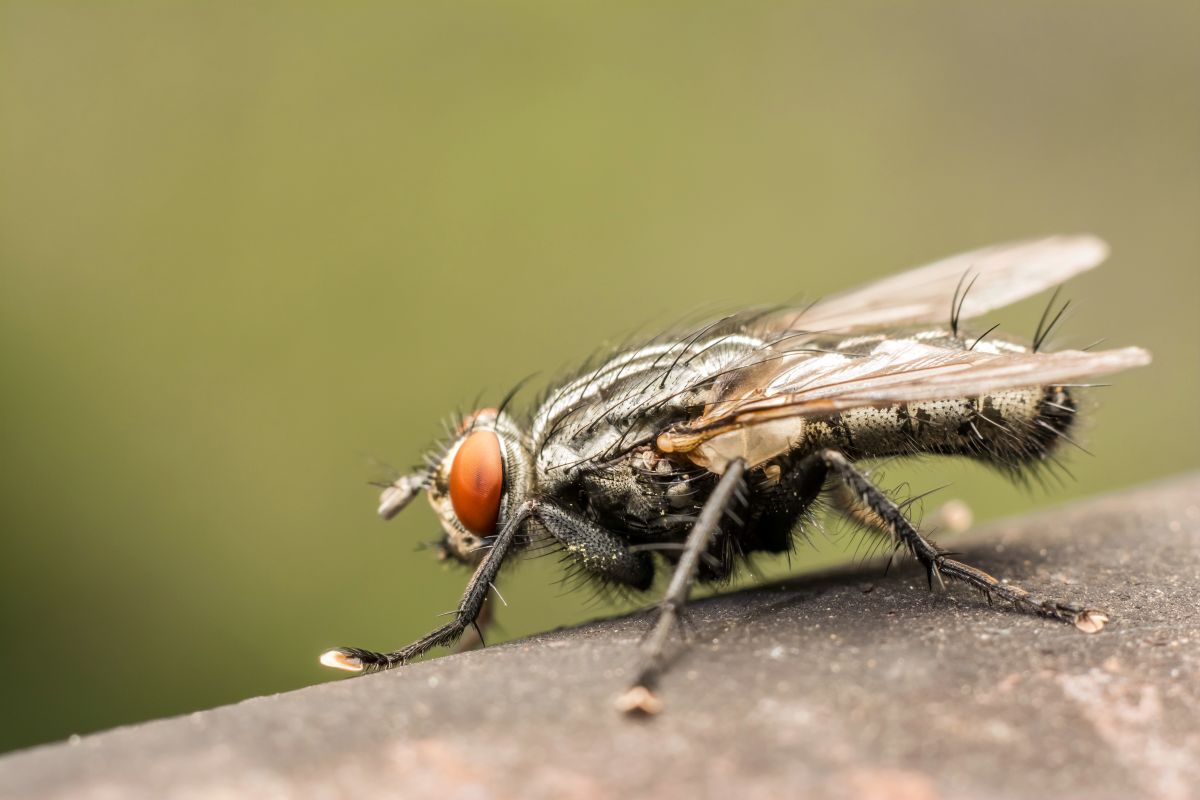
(475, 486)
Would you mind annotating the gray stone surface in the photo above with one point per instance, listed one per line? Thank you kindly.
(844, 686)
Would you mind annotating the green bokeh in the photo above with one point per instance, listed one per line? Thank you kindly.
(246, 248)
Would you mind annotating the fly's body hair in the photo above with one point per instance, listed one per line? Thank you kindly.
(695, 452)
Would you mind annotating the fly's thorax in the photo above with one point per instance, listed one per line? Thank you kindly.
(479, 482)
(623, 403)
(646, 493)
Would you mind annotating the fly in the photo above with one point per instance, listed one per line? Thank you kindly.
(693, 452)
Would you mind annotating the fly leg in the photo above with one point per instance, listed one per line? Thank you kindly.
(472, 638)
(885, 514)
(953, 515)
(640, 697)
(596, 550)
(353, 659)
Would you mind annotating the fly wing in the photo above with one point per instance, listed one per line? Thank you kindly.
(997, 276)
(767, 421)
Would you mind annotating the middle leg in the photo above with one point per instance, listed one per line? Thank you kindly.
(640, 697)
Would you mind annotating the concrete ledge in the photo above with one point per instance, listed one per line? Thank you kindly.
(848, 685)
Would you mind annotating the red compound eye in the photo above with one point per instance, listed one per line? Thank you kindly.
(476, 482)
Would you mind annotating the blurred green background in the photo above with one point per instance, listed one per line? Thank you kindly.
(247, 248)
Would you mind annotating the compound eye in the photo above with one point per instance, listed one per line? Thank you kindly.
(477, 481)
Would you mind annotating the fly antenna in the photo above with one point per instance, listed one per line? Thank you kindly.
(400, 493)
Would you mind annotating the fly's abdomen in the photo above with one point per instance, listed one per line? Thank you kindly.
(1012, 427)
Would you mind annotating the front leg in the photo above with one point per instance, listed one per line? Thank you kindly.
(472, 638)
(600, 552)
(353, 659)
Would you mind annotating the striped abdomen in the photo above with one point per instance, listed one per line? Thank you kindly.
(1010, 428)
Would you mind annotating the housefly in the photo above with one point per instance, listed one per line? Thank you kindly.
(694, 451)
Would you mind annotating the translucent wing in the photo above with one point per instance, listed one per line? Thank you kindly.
(996, 276)
(759, 422)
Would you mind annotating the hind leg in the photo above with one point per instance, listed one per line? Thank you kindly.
(883, 514)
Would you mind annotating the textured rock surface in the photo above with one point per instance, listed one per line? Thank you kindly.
(849, 685)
